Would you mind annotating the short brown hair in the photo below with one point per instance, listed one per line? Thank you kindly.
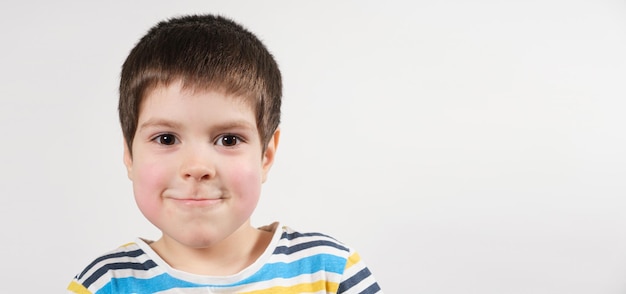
(203, 52)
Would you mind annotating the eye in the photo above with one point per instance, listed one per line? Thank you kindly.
(228, 140)
(166, 139)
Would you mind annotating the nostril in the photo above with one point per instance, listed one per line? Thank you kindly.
(197, 172)
(196, 163)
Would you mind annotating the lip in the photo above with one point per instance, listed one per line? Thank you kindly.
(197, 202)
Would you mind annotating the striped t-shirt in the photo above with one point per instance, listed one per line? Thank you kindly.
(293, 263)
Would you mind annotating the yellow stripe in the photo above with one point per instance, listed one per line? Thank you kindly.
(353, 259)
(78, 288)
(300, 288)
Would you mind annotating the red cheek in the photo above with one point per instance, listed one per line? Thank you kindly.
(247, 181)
(148, 185)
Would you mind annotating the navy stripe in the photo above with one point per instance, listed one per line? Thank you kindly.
(134, 253)
(373, 288)
(349, 283)
(302, 246)
(296, 235)
(269, 272)
(116, 266)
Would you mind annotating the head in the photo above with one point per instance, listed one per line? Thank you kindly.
(202, 52)
(199, 108)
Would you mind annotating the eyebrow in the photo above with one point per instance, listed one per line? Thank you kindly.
(164, 123)
(156, 123)
(236, 124)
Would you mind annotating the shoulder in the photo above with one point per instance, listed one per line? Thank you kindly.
(313, 252)
(127, 260)
(292, 241)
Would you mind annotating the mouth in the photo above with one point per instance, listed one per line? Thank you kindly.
(195, 197)
(197, 202)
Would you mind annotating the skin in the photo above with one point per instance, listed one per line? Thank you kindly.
(197, 168)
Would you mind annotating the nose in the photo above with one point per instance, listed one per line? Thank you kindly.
(197, 164)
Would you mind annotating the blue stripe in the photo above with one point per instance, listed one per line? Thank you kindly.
(145, 286)
(308, 265)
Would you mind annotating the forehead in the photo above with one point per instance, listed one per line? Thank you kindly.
(181, 89)
(174, 100)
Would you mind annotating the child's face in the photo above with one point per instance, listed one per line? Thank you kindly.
(196, 164)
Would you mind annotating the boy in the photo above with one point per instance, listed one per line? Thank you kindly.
(200, 108)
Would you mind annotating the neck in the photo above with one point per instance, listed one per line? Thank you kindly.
(227, 257)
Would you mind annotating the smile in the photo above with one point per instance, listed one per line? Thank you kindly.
(197, 202)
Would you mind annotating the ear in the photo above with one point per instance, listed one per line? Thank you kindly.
(270, 153)
(128, 160)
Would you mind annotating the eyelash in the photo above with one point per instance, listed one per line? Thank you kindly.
(159, 139)
(219, 141)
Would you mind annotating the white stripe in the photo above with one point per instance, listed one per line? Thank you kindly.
(302, 279)
(120, 273)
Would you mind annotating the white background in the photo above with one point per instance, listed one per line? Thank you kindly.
(460, 146)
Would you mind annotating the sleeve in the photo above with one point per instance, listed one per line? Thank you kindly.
(357, 278)
(77, 287)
